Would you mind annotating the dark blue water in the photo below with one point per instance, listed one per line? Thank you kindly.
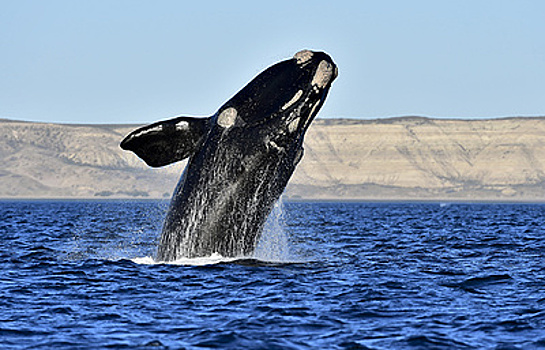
(361, 276)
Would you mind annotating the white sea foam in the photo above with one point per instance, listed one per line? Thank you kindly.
(201, 261)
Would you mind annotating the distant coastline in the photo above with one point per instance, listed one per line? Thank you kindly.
(399, 159)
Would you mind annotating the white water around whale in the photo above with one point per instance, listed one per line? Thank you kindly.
(201, 261)
(273, 246)
(102, 241)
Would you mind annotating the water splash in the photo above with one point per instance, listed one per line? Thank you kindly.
(274, 244)
(108, 236)
(214, 215)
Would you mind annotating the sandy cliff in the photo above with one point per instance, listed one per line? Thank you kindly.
(398, 158)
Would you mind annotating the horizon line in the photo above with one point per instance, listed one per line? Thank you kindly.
(319, 118)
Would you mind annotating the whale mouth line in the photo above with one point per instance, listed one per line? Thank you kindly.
(309, 97)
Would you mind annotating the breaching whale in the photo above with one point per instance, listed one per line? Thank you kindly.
(240, 159)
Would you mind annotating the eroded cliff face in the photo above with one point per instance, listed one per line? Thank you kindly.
(426, 158)
(52, 160)
(399, 158)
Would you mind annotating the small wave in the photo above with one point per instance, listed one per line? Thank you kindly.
(484, 281)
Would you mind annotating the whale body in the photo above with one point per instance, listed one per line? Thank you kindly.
(240, 159)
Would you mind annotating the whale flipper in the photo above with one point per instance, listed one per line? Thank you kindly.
(167, 141)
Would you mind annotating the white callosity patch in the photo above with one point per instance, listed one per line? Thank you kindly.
(292, 126)
(294, 119)
(323, 74)
(227, 118)
(303, 56)
(183, 125)
(158, 128)
(273, 145)
(294, 99)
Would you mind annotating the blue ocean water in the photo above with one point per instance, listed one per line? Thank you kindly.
(353, 276)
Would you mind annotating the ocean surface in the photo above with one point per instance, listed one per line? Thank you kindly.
(81, 275)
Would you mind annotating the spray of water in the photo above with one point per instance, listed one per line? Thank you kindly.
(274, 245)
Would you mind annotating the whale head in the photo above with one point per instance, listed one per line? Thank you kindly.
(285, 97)
(279, 104)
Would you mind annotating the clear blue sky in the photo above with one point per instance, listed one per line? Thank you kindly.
(136, 61)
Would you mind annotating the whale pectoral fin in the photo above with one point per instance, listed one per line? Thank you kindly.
(168, 141)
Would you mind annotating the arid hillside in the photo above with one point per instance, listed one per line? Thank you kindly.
(408, 158)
